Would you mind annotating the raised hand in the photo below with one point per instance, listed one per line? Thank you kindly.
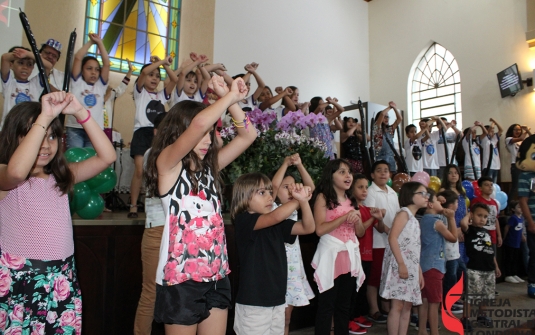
(449, 213)
(21, 53)
(254, 65)
(296, 159)
(168, 60)
(392, 104)
(477, 123)
(289, 91)
(329, 100)
(298, 192)
(453, 123)
(218, 85)
(130, 66)
(154, 59)
(73, 105)
(203, 58)
(278, 89)
(240, 88)
(53, 104)
(249, 68)
(194, 57)
(95, 38)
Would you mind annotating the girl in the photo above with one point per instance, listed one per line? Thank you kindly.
(267, 99)
(337, 257)
(402, 279)
(149, 103)
(262, 233)
(383, 133)
(472, 151)
(491, 154)
(298, 290)
(90, 90)
(40, 291)
(371, 218)
(322, 131)
(513, 139)
(183, 169)
(351, 139)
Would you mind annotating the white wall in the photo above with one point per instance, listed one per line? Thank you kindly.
(319, 46)
(485, 36)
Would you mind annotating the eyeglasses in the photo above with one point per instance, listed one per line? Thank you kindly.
(424, 194)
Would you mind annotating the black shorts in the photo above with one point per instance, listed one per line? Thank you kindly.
(190, 302)
(141, 141)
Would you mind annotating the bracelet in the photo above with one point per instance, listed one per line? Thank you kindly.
(87, 119)
(241, 124)
(40, 125)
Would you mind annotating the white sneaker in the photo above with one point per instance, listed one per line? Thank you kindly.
(520, 280)
(511, 279)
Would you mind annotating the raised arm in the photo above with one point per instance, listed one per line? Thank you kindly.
(119, 90)
(156, 62)
(5, 66)
(22, 53)
(302, 194)
(105, 70)
(79, 56)
(500, 129)
(281, 95)
(251, 68)
(279, 175)
(171, 75)
(483, 129)
(449, 233)
(399, 117)
(305, 176)
(381, 115)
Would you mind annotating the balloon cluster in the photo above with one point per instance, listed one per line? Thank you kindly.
(422, 177)
(85, 199)
(473, 191)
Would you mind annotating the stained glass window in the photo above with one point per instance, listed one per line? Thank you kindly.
(134, 29)
(436, 86)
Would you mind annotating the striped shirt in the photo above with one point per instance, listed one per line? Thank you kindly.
(524, 190)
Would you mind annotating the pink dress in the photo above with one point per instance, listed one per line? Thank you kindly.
(344, 232)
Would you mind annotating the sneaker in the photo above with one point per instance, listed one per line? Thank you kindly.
(520, 280)
(377, 318)
(467, 325)
(457, 309)
(511, 279)
(354, 328)
(531, 290)
(485, 321)
(414, 320)
(363, 322)
(459, 303)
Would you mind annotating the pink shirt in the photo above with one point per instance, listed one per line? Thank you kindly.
(35, 221)
(344, 232)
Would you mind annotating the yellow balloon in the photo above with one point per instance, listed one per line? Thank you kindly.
(434, 179)
(434, 185)
(467, 202)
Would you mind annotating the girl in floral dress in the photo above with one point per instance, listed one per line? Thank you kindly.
(402, 279)
(193, 290)
(298, 290)
(322, 131)
(39, 291)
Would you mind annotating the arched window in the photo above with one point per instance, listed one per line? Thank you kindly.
(134, 29)
(435, 88)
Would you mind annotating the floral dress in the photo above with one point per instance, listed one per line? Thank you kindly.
(393, 287)
(322, 132)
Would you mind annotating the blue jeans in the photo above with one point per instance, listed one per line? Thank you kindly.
(77, 138)
(454, 268)
(491, 173)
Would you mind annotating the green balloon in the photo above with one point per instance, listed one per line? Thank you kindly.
(103, 182)
(94, 207)
(80, 196)
(76, 155)
(90, 151)
(389, 182)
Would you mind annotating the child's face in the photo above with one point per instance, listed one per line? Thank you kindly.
(453, 176)
(201, 149)
(479, 217)
(486, 188)
(190, 86)
(47, 151)
(422, 124)
(265, 95)
(262, 201)
(22, 68)
(490, 131)
(517, 210)
(152, 80)
(350, 122)
(435, 205)
(342, 178)
(295, 96)
(282, 193)
(454, 206)
(517, 131)
(360, 189)
(91, 71)
(381, 175)
(386, 119)
(421, 197)
(412, 131)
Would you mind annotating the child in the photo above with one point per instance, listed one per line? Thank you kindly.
(493, 224)
(513, 139)
(249, 103)
(89, 83)
(193, 290)
(491, 154)
(511, 243)
(413, 148)
(402, 280)
(260, 234)
(40, 288)
(371, 218)
(434, 233)
(16, 68)
(429, 152)
(447, 141)
(383, 133)
(472, 151)
(322, 131)
(337, 257)
(188, 87)
(380, 195)
(335, 124)
(350, 140)
(149, 103)
(267, 99)
(482, 268)
(298, 290)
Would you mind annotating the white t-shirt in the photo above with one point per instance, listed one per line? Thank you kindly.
(248, 104)
(430, 152)
(450, 140)
(485, 145)
(175, 98)
(15, 91)
(55, 78)
(476, 152)
(384, 200)
(513, 148)
(413, 155)
(91, 97)
(148, 106)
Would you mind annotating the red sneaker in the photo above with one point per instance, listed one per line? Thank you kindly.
(354, 328)
(363, 322)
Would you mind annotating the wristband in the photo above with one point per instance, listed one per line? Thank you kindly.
(40, 125)
(87, 119)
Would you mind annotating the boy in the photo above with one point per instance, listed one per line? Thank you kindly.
(482, 268)
(486, 186)
(413, 148)
(429, 152)
(491, 154)
(16, 67)
(434, 233)
(380, 195)
(512, 236)
(450, 138)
